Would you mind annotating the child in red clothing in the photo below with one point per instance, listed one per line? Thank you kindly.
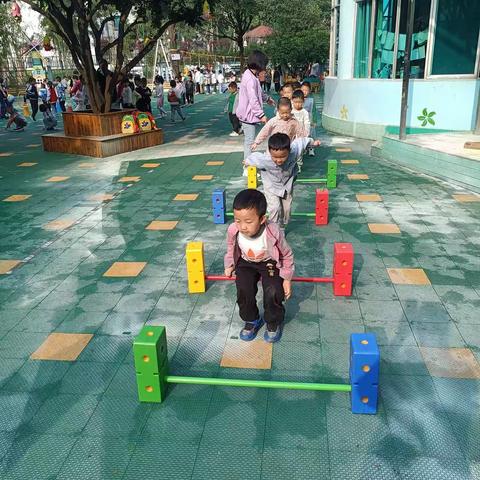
(257, 249)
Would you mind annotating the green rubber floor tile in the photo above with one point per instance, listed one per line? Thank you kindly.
(136, 302)
(298, 356)
(391, 332)
(63, 414)
(402, 360)
(124, 383)
(199, 352)
(223, 461)
(339, 308)
(97, 458)
(241, 423)
(425, 312)
(123, 324)
(17, 409)
(458, 395)
(6, 440)
(440, 469)
(336, 360)
(99, 302)
(37, 375)
(35, 456)
(149, 462)
(302, 327)
(418, 293)
(39, 320)
(9, 367)
(88, 378)
(376, 292)
(10, 318)
(362, 466)
(464, 312)
(466, 428)
(471, 335)
(117, 417)
(437, 334)
(334, 330)
(60, 301)
(382, 311)
(78, 321)
(292, 463)
(20, 344)
(355, 433)
(106, 348)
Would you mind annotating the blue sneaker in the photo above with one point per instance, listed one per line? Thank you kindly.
(272, 337)
(250, 334)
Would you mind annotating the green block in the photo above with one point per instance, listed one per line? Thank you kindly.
(331, 174)
(151, 386)
(150, 350)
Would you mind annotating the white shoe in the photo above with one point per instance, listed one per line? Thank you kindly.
(233, 134)
(311, 152)
(245, 172)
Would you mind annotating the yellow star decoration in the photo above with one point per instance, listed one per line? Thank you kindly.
(344, 113)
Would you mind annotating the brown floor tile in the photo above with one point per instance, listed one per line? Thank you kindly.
(372, 197)
(27, 164)
(466, 197)
(162, 225)
(451, 362)
(357, 176)
(7, 265)
(16, 198)
(87, 165)
(125, 269)
(202, 177)
(62, 346)
(102, 197)
(58, 224)
(151, 165)
(349, 162)
(383, 228)
(57, 179)
(186, 197)
(129, 179)
(343, 150)
(215, 163)
(408, 276)
(240, 354)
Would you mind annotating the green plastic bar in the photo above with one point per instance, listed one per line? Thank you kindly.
(311, 180)
(302, 214)
(229, 382)
(229, 214)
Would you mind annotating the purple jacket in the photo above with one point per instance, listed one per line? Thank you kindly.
(277, 247)
(250, 99)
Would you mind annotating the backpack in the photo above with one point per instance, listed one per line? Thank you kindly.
(129, 125)
(143, 122)
(172, 97)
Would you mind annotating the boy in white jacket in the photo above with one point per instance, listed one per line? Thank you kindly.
(302, 117)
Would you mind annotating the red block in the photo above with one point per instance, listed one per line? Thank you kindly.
(343, 258)
(321, 207)
(342, 284)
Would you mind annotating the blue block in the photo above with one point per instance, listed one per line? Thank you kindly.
(364, 359)
(364, 399)
(219, 206)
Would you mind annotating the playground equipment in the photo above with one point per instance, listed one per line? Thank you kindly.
(220, 213)
(330, 180)
(151, 366)
(343, 257)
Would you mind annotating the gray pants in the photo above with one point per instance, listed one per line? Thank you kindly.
(249, 134)
(279, 208)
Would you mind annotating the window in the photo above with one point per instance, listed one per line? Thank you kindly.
(384, 38)
(418, 50)
(362, 39)
(456, 37)
(334, 37)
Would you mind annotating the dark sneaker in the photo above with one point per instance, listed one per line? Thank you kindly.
(273, 336)
(249, 332)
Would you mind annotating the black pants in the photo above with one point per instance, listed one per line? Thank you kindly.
(62, 105)
(248, 274)
(235, 122)
(190, 97)
(277, 87)
(34, 105)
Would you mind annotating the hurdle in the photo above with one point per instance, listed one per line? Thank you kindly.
(343, 259)
(152, 372)
(220, 213)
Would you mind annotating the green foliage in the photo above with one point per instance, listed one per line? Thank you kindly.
(11, 39)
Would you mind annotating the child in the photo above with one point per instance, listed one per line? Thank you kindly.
(283, 122)
(49, 120)
(15, 117)
(127, 94)
(257, 249)
(231, 108)
(311, 108)
(278, 168)
(173, 100)
(61, 93)
(52, 96)
(159, 81)
(301, 115)
(31, 94)
(287, 91)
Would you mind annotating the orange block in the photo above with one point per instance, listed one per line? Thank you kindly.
(62, 346)
(408, 276)
(125, 269)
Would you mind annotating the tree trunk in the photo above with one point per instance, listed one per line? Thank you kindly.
(241, 49)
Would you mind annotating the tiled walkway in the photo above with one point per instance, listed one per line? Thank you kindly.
(71, 218)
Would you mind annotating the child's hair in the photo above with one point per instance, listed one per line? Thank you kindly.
(287, 85)
(284, 102)
(257, 60)
(307, 84)
(298, 94)
(173, 83)
(42, 107)
(250, 198)
(279, 141)
(296, 85)
(143, 82)
(232, 85)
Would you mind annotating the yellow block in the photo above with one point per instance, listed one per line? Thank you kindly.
(252, 177)
(195, 267)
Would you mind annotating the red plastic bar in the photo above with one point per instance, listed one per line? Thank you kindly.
(294, 279)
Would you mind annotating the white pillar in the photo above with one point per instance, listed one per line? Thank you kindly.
(346, 39)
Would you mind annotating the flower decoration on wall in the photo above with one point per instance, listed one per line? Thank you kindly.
(426, 117)
(344, 113)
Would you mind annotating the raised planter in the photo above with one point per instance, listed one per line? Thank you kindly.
(89, 124)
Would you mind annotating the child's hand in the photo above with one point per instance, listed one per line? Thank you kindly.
(253, 147)
(287, 288)
(316, 143)
(229, 271)
(264, 119)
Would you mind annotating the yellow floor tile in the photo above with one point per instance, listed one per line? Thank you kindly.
(58, 224)
(408, 276)
(87, 165)
(151, 165)
(27, 164)
(57, 179)
(357, 176)
(125, 269)
(240, 354)
(62, 346)
(343, 150)
(372, 197)
(349, 162)
(202, 177)
(8, 265)
(162, 225)
(102, 197)
(212, 163)
(451, 362)
(383, 228)
(16, 198)
(6, 154)
(466, 197)
(186, 197)
(129, 179)
(34, 145)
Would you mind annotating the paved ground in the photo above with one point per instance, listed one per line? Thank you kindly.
(81, 419)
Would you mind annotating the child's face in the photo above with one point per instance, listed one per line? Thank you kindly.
(305, 90)
(297, 103)
(248, 221)
(232, 89)
(284, 112)
(287, 92)
(279, 157)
